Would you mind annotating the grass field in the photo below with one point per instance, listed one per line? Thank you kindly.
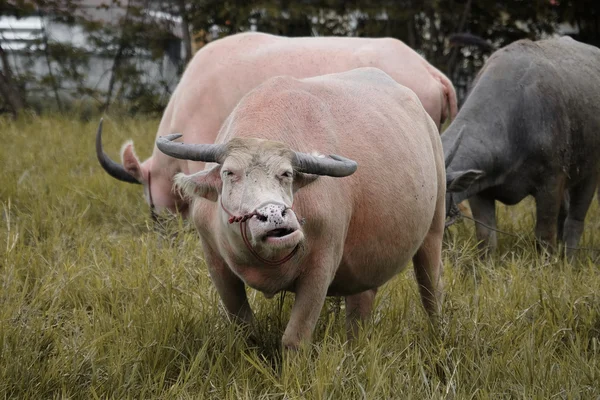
(97, 303)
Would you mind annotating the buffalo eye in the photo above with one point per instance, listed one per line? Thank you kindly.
(227, 173)
(286, 174)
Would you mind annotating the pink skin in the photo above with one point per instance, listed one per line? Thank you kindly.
(225, 70)
(161, 190)
(287, 242)
(360, 230)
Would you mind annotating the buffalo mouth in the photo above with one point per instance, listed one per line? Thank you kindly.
(279, 232)
(282, 237)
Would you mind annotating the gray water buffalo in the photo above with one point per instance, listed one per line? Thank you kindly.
(531, 127)
(226, 69)
(276, 215)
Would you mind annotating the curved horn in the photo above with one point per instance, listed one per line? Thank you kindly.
(335, 166)
(114, 169)
(448, 157)
(194, 152)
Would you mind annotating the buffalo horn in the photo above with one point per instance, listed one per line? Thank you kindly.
(114, 169)
(335, 166)
(195, 152)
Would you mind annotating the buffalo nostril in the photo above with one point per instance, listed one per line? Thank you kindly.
(275, 213)
(261, 217)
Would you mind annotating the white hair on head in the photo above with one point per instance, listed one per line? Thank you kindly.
(184, 185)
(127, 143)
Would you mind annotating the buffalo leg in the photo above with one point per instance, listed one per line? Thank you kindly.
(484, 210)
(428, 264)
(548, 201)
(581, 197)
(230, 288)
(562, 216)
(358, 309)
(311, 290)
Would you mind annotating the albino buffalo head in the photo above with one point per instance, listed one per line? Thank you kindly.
(254, 182)
(152, 174)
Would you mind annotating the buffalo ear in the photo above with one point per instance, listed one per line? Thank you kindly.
(205, 184)
(461, 180)
(131, 163)
(301, 179)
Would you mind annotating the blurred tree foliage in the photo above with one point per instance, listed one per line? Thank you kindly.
(424, 25)
(585, 16)
(125, 33)
(429, 26)
(12, 84)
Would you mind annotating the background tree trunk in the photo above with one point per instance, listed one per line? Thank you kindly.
(8, 88)
(49, 64)
(459, 29)
(185, 28)
(123, 42)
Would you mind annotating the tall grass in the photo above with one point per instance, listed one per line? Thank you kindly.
(95, 302)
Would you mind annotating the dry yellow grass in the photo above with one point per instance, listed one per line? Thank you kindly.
(97, 303)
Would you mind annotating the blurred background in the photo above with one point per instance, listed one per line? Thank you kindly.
(126, 56)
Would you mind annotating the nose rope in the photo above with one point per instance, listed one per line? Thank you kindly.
(152, 209)
(454, 214)
(242, 221)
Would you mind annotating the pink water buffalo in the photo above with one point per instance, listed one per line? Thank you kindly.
(277, 215)
(226, 69)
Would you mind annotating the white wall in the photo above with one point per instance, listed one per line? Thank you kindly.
(17, 35)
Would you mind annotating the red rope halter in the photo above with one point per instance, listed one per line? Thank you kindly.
(242, 221)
